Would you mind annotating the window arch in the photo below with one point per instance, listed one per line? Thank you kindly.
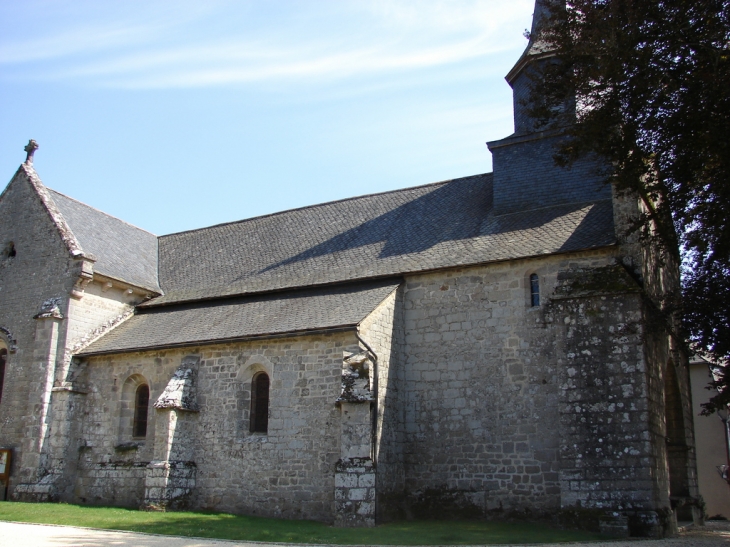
(534, 290)
(3, 361)
(259, 422)
(141, 408)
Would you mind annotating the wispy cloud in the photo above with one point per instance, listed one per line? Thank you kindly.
(315, 42)
(45, 31)
(243, 62)
(71, 42)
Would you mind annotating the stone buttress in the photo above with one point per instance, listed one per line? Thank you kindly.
(355, 470)
(170, 477)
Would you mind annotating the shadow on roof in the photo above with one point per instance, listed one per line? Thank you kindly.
(450, 212)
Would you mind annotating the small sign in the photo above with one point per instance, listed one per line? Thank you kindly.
(5, 454)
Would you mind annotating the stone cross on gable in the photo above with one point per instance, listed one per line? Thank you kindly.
(30, 149)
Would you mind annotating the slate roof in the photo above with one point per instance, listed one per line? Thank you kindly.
(237, 319)
(122, 251)
(439, 225)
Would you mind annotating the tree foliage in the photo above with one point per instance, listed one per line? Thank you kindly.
(650, 82)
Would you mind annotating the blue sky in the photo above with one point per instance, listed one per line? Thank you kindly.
(179, 115)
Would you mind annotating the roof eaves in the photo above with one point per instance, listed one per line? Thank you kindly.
(263, 336)
(201, 296)
(523, 61)
(156, 290)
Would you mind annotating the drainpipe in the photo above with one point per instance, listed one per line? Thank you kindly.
(374, 418)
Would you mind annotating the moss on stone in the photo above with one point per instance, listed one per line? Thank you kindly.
(611, 279)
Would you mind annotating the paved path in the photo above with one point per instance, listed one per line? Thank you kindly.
(39, 535)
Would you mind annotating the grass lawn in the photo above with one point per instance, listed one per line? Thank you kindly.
(225, 526)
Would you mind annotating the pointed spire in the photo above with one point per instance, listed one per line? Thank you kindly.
(30, 149)
(539, 19)
(536, 47)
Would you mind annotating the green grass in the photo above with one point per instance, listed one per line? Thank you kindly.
(237, 527)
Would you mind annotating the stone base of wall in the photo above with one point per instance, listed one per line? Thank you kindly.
(354, 492)
(656, 524)
(614, 524)
(44, 490)
(118, 483)
(168, 485)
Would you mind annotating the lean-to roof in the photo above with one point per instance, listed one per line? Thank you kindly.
(291, 313)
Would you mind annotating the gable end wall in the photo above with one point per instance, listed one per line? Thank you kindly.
(41, 270)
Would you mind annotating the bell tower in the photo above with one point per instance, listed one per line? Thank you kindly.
(525, 174)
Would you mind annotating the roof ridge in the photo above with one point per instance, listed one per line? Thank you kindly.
(321, 205)
(102, 212)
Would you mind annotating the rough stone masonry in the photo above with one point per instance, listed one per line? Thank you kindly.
(489, 347)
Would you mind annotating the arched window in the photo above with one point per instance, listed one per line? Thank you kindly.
(534, 290)
(141, 405)
(3, 360)
(9, 251)
(260, 403)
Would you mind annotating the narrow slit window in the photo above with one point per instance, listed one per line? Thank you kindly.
(260, 403)
(141, 406)
(3, 360)
(534, 290)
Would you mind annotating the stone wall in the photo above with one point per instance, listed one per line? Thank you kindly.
(606, 459)
(383, 331)
(104, 303)
(483, 384)
(287, 472)
(671, 445)
(39, 272)
(49, 307)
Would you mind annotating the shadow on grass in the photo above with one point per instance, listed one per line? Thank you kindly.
(248, 528)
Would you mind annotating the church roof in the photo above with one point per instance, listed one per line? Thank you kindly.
(122, 251)
(441, 225)
(293, 312)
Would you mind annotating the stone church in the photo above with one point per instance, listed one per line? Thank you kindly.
(480, 347)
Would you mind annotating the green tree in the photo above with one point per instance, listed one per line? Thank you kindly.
(647, 83)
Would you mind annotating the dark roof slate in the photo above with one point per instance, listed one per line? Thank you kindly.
(122, 251)
(439, 225)
(247, 317)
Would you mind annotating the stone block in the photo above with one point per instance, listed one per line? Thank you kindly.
(357, 494)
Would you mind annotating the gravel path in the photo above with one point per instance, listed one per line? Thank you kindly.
(39, 535)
